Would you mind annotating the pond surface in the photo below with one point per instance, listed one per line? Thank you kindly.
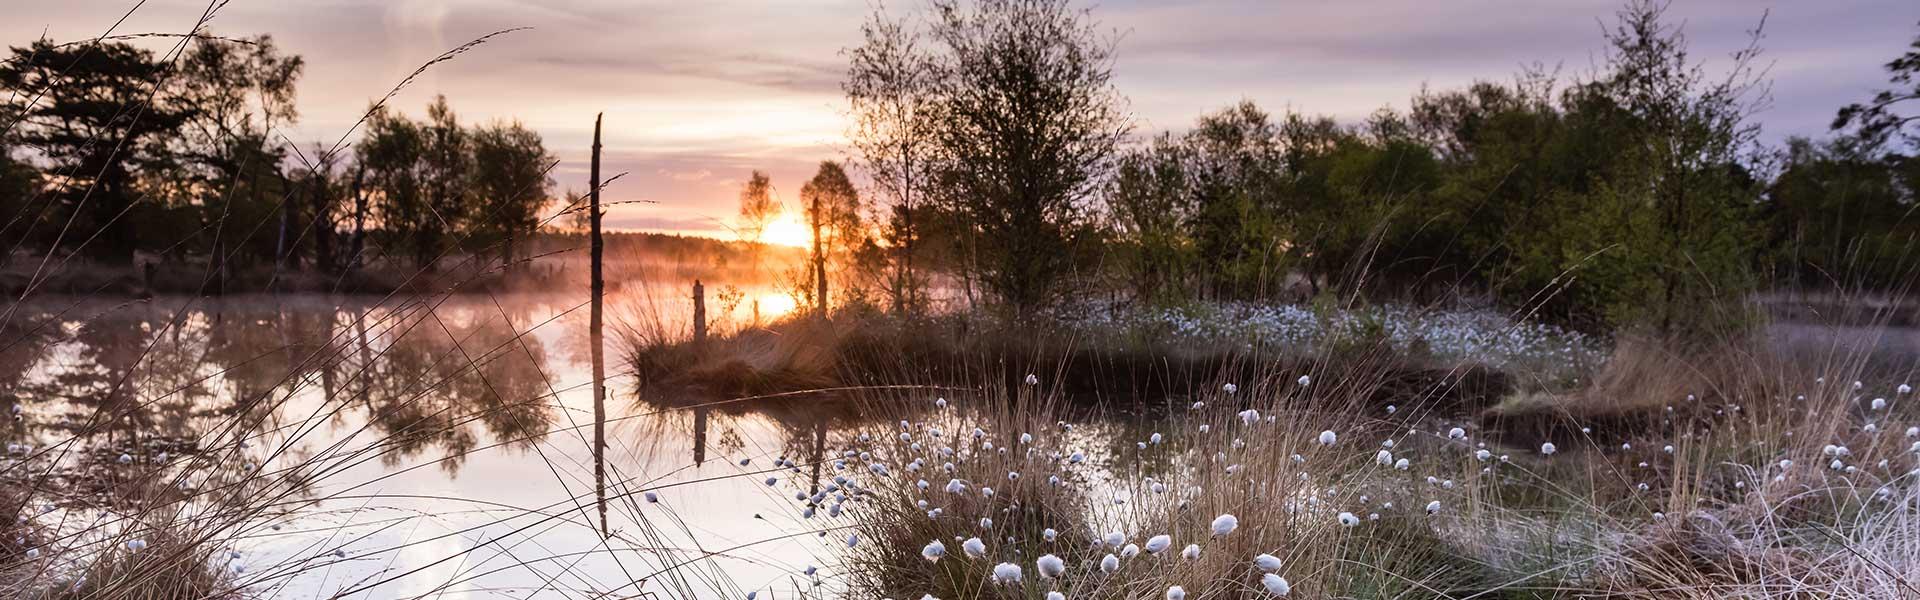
(444, 443)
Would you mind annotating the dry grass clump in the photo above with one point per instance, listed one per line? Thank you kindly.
(1757, 475)
(158, 563)
(1006, 455)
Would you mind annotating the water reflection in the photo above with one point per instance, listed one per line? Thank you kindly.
(429, 379)
(466, 413)
(421, 378)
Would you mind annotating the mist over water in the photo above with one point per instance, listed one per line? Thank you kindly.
(452, 426)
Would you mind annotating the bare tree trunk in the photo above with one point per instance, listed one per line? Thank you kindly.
(359, 220)
(594, 325)
(282, 258)
(323, 224)
(819, 264)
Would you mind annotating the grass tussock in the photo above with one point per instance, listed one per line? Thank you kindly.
(1709, 471)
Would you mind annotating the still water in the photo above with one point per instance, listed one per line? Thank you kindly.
(446, 441)
(441, 446)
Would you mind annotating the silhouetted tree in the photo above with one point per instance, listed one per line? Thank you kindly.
(1879, 120)
(890, 87)
(510, 183)
(1029, 122)
(757, 208)
(96, 114)
(832, 213)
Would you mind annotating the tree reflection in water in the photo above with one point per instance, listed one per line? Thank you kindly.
(178, 375)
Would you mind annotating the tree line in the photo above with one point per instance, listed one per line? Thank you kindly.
(999, 152)
(110, 150)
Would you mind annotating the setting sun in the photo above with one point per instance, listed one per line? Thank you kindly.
(788, 230)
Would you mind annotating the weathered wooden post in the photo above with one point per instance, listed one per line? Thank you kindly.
(700, 435)
(699, 313)
(594, 325)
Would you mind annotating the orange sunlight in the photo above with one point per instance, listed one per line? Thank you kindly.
(788, 230)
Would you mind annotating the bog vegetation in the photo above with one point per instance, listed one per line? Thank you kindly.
(1504, 341)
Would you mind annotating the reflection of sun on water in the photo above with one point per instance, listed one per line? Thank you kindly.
(774, 304)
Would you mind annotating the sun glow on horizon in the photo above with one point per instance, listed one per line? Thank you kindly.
(788, 230)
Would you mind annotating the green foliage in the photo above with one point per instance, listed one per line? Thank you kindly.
(1147, 212)
(1626, 199)
(1029, 123)
(439, 186)
(1839, 215)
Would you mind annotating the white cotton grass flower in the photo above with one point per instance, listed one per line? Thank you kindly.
(1050, 566)
(1006, 573)
(1879, 404)
(1304, 380)
(1224, 524)
(1347, 519)
(1903, 389)
(1276, 584)
(1176, 593)
(933, 551)
(853, 540)
(1266, 562)
(1328, 438)
(1402, 464)
(1130, 551)
(974, 547)
(1056, 596)
(1050, 534)
(1547, 449)
(1433, 507)
(1191, 552)
(1114, 539)
(1456, 434)
(1033, 379)
(1109, 564)
(1159, 543)
(136, 545)
(1229, 388)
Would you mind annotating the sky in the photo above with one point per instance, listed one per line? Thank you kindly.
(698, 93)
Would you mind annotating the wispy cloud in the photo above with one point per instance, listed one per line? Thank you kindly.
(698, 94)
